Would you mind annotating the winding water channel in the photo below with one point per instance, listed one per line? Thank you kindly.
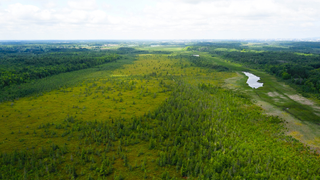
(253, 80)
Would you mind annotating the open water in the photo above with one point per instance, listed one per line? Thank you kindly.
(253, 80)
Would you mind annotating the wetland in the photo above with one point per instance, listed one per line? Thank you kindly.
(136, 113)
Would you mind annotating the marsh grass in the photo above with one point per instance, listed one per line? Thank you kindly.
(160, 117)
(48, 84)
(108, 93)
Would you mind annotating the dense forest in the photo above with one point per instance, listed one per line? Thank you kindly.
(18, 67)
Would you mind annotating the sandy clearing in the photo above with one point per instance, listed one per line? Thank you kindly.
(301, 99)
(275, 94)
(305, 101)
(276, 99)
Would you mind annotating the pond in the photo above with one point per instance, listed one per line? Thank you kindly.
(253, 80)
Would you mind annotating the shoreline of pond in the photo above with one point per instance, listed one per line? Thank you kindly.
(253, 80)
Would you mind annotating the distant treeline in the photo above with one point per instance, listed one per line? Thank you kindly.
(21, 67)
(202, 62)
(301, 47)
(37, 49)
(208, 46)
(128, 50)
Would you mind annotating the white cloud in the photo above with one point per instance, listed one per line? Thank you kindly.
(50, 5)
(163, 18)
(20, 11)
(105, 5)
(83, 4)
(307, 24)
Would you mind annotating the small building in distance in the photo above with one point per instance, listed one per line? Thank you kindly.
(196, 55)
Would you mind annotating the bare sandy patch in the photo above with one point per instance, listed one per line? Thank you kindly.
(275, 94)
(276, 99)
(305, 101)
(272, 94)
(301, 99)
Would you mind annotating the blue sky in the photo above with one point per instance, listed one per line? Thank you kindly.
(158, 19)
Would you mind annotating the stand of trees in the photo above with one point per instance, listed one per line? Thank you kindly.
(21, 67)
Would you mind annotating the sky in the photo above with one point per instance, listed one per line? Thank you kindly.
(158, 19)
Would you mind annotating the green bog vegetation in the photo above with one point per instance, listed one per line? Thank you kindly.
(145, 116)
